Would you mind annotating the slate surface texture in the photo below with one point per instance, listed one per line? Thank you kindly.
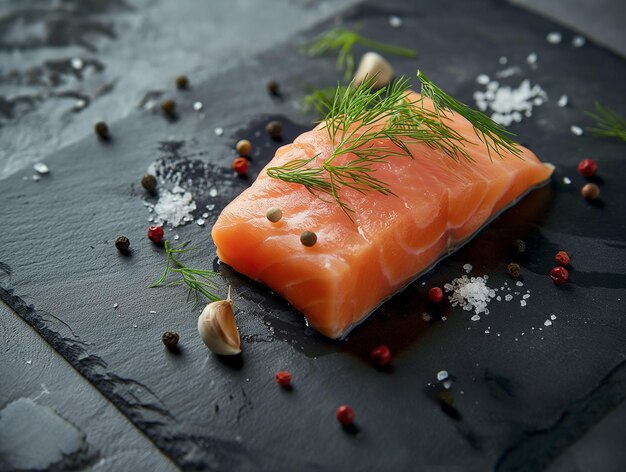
(522, 392)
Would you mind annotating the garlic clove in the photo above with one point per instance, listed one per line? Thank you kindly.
(218, 328)
(375, 67)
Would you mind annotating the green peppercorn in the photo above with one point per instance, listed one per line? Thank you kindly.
(513, 269)
(122, 244)
(168, 107)
(274, 214)
(243, 147)
(101, 129)
(149, 182)
(273, 88)
(308, 238)
(274, 129)
(182, 82)
(170, 339)
(519, 247)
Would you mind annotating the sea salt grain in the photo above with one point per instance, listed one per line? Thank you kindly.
(219, 131)
(198, 106)
(547, 323)
(77, 63)
(522, 302)
(470, 294)
(482, 79)
(554, 38)
(213, 192)
(468, 268)
(475, 318)
(563, 101)
(532, 58)
(442, 375)
(395, 21)
(41, 168)
(553, 317)
(115, 306)
(578, 41)
(503, 60)
(508, 298)
(200, 222)
(567, 180)
(577, 130)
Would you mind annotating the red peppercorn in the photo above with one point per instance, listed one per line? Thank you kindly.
(240, 165)
(435, 294)
(283, 378)
(381, 355)
(559, 275)
(345, 415)
(587, 167)
(155, 234)
(562, 258)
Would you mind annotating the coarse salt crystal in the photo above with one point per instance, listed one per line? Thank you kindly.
(115, 305)
(547, 323)
(447, 384)
(578, 41)
(522, 302)
(200, 222)
(577, 130)
(567, 180)
(553, 317)
(219, 131)
(487, 331)
(76, 63)
(482, 79)
(475, 318)
(499, 298)
(554, 37)
(508, 298)
(563, 101)
(213, 192)
(532, 58)
(519, 283)
(526, 296)
(152, 312)
(503, 60)
(198, 106)
(467, 268)
(442, 375)
(470, 293)
(41, 168)
(426, 317)
(176, 237)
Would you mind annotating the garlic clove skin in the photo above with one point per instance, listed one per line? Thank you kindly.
(375, 67)
(218, 329)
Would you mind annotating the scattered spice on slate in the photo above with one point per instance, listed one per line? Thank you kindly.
(101, 129)
(274, 214)
(155, 234)
(590, 191)
(519, 247)
(559, 275)
(562, 258)
(122, 244)
(587, 167)
(381, 355)
(240, 165)
(243, 147)
(168, 107)
(308, 238)
(170, 339)
(283, 378)
(435, 294)
(273, 88)
(149, 183)
(513, 269)
(274, 129)
(345, 415)
(182, 82)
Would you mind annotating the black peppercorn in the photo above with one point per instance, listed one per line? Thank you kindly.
(168, 107)
(170, 339)
(149, 182)
(274, 129)
(513, 269)
(273, 88)
(101, 129)
(308, 238)
(182, 82)
(519, 247)
(122, 244)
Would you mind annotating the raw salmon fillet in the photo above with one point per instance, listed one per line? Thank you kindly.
(355, 266)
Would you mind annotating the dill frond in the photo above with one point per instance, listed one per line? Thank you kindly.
(609, 124)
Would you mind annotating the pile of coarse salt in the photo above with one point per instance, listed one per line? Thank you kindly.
(470, 293)
(174, 207)
(507, 104)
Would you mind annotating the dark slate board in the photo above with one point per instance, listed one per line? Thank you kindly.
(517, 403)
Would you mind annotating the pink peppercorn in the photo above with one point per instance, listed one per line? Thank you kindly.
(345, 415)
(283, 378)
(155, 234)
(587, 167)
(435, 294)
(559, 275)
(381, 355)
(562, 258)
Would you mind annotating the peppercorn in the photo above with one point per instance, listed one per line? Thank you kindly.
(519, 247)
(182, 82)
(274, 214)
(562, 258)
(283, 378)
(122, 244)
(155, 234)
(345, 415)
(168, 107)
(513, 269)
(149, 183)
(274, 129)
(381, 355)
(559, 275)
(587, 167)
(308, 238)
(243, 147)
(101, 129)
(273, 88)
(240, 165)
(435, 294)
(170, 339)
(590, 191)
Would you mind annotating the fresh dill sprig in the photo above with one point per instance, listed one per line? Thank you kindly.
(360, 117)
(344, 40)
(609, 124)
(493, 135)
(198, 281)
(320, 99)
